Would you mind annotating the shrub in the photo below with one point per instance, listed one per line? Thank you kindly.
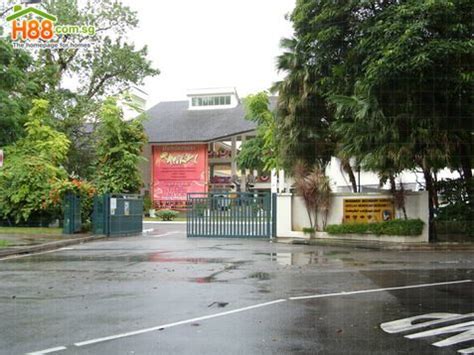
(394, 227)
(309, 230)
(167, 215)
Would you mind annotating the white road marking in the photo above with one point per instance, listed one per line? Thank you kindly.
(48, 351)
(169, 325)
(378, 290)
(464, 331)
(165, 234)
(164, 326)
(430, 319)
(33, 254)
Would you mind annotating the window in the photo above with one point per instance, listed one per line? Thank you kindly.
(211, 101)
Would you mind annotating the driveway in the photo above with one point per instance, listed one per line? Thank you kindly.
(163, 293)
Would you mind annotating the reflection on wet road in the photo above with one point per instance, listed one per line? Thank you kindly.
(218, 287)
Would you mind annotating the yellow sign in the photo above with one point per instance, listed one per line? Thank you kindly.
(368, 210)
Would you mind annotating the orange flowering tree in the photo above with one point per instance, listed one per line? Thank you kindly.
(82, 188)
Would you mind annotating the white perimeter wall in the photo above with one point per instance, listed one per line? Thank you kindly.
(292, 216)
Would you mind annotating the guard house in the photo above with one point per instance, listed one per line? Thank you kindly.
(193, 145)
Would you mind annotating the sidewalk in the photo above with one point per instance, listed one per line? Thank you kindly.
(27, 243)
(373, 245)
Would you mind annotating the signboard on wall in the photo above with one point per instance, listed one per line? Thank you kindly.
(368, 210)
(179, 170)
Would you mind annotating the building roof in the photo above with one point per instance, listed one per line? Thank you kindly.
(173, 122)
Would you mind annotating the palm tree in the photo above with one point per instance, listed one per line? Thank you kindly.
(304, 119)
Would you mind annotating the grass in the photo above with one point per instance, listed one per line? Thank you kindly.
(4, 243)
(31, 230)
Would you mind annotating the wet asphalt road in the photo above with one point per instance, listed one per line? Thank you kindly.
(113, 287)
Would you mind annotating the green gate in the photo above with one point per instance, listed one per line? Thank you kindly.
(231, 215)
(72, 214)
(118, 214)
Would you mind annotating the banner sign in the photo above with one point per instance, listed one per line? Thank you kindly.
(178, 170)
(368, 210)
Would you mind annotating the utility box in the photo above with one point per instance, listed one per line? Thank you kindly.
(118, 214)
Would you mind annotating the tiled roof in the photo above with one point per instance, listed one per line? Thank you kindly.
(173, 122)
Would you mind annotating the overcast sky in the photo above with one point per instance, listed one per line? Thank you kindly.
(210, 43)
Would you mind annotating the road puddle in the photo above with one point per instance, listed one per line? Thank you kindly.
(299, 258)
(156, 257)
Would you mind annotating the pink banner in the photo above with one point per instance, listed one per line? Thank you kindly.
(178, 170)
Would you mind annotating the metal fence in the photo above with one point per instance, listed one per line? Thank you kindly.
(72, 214)
(230, 215)
(118, 214)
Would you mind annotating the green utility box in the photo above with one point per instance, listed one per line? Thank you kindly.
(118, 214)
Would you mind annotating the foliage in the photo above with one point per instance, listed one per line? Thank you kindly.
(454, 201)
(250, 155)
(119, 148)
(167, 215)
(448, 227)
(111, 65)
(394, 227)
(16, 91)
(304, 118)
(4, 243)
(33, 165)
(82, 188)
(388, 83)
(200, 208)
(309, 230)
(260, 153)
(147, 204)
(314, 186)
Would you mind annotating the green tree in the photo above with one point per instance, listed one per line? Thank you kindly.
(32, 166)
(304, 119)
(16, 90)
(119, 148)
(260, 153)
(111, 65)
(395, 77)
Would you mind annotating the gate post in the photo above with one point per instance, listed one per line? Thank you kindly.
(274, 215)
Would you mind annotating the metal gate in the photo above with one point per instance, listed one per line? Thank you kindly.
(118, 214)
(231, 215)
(72, 214)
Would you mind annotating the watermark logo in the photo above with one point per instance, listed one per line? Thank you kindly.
(35, 28)
(26, 28)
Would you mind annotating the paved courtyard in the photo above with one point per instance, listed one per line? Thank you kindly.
(164, 294)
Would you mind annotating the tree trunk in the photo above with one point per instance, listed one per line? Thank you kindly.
(399, 196)
(348, 169)
(467, 175)
(431, 198)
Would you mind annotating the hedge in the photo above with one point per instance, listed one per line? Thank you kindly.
(394, 227)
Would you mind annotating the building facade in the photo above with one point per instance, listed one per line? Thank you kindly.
(193, 146)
